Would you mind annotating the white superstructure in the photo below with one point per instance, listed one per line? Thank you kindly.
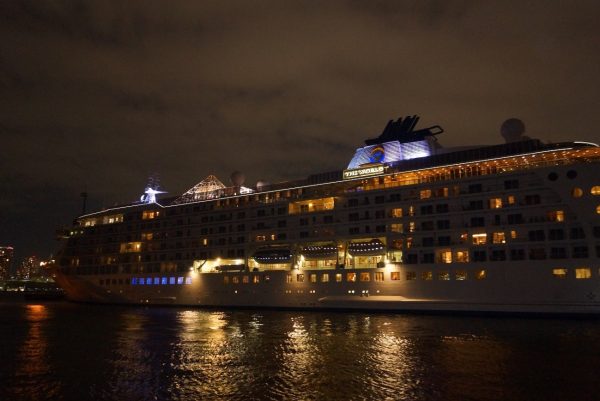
(506, 228)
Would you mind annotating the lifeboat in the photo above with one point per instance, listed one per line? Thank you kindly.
(316, 252)
(369, 248)
(273, 255)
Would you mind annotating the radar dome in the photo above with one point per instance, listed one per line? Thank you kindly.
(260, 185)
(237, 179)
(512, 130)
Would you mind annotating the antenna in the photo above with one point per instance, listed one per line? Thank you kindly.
(84, 196)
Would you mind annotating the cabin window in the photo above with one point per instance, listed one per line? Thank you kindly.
(480, 274)
(378, 276)
(576, 192)
(556, 216)
(479, 239)
(365, 276)
(427, 275)
(300, 278)
(225, 279)
(351, 277)
(313, 278)
(499, 238)
(411, 275)
(583, 273)
(495, 203)
(256, 279)
(338, 277)
(460, 275)
(443, 275)
(395, 276)
(288, 278)
(325, 278)
(559, 273)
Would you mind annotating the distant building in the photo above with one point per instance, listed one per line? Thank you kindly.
(6, 258)
(29, 269)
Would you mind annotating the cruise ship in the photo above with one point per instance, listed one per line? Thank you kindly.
(408, 225)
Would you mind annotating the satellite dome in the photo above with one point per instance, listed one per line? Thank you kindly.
(512, 130)
(237, 178)
(260, 185)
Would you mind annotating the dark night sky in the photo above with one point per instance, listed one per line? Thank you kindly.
(101, 94)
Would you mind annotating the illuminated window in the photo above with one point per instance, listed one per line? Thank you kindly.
(395, 276)
(397, 212)
(577, 192)
(156, 280)
(495, 203)
(499, 238)
(460, 275)
(142, 281)
(510, 199)
(163, 281)
(313, 205)
(443, 275)
(225, 279)
(397, 228)
(559, 273)
(595, 190)
(378, 276)
(445, 256)
(338, 277)
(427, 275)
(441, 192)
(150, 214)
(556, 215)
(411, 275)
(313, 278)
(411, 227)
(583, 272)
(411, 210)
(171, 280)
(479, 239)
(425, 194)
(256, 279)
(464, 237)
(288, 278)
(179, 280)
(128, 247)
(188, 280)
(325, 278)
(598, 209)
(351, 277)
(245, 279)
(480, 274)
(462, 256)
(365, 276)
(235, 280)
(147, 236)
(300, 278)
(513, 234)
(133, 281)
(261, 238)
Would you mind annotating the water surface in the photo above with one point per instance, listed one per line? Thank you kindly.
(64, 351)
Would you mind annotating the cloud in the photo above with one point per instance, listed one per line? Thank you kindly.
(101, 94)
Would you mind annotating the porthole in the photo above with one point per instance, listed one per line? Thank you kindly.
(577, 192)
(553, 176)
(571, 174)
(595, 190)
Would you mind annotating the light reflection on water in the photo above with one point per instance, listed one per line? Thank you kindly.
(68, 351)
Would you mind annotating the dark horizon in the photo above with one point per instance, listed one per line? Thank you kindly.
(97, 96)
